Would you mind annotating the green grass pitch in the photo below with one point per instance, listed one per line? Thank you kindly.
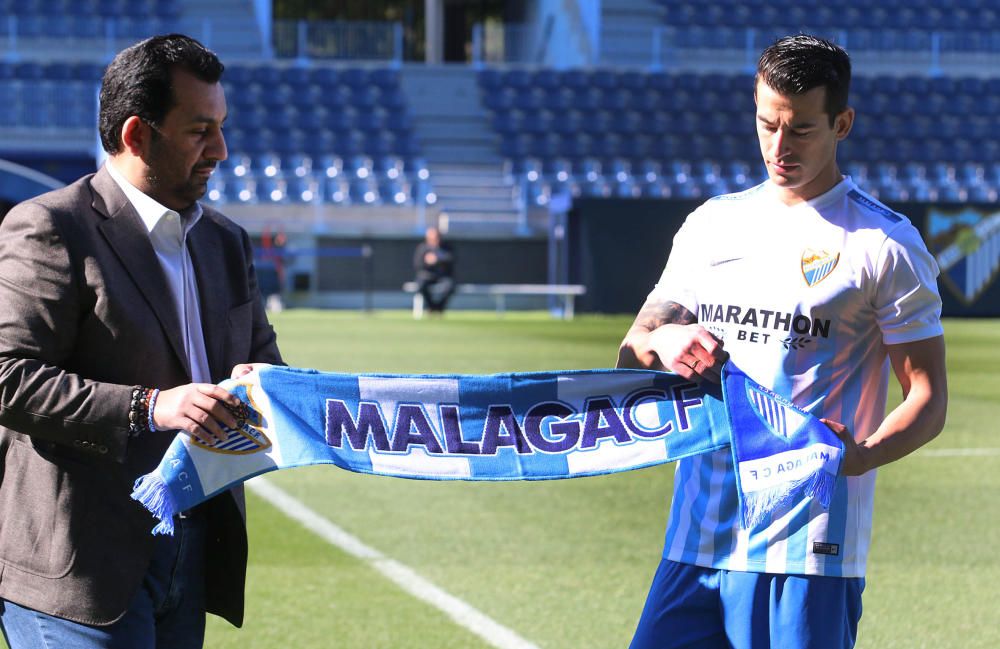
(567, 564)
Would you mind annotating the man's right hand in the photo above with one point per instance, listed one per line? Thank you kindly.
(688, 350)
(197, 409)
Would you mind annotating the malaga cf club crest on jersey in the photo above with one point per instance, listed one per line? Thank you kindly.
(817, 265)
(967, 248)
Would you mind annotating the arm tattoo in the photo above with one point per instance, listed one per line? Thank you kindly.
(656, 313)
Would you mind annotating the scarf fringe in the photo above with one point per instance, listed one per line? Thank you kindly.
(152, 492)
(758, 506)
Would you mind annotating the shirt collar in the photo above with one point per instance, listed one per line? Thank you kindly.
(149, 209)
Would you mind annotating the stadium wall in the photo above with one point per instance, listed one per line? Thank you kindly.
(477, 261)
(617, 249)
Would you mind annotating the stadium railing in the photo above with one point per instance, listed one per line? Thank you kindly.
(343, 40)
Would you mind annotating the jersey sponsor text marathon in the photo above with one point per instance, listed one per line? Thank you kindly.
(764, 319)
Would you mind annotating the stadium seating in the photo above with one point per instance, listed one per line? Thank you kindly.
(965, 25)
(344, 133)
(340, 135)
(616, 131)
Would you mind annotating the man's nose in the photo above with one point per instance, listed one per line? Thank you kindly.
(218, 150)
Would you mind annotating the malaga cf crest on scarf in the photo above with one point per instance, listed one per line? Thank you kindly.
(248, 436)
(817, 265)
(780, 417)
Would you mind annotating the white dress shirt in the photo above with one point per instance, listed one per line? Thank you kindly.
(168, 231)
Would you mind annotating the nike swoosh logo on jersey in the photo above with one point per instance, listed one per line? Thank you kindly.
(719, 262)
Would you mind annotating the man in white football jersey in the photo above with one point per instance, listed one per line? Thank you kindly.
(815, 290)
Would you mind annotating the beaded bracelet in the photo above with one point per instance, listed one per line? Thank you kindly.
(152, 404)
(139, 411)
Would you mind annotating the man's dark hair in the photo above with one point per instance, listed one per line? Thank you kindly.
(796, 64)
(139, 81)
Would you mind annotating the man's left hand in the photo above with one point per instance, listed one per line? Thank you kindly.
(855, 459)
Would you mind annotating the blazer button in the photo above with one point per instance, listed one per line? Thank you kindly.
(102, 449)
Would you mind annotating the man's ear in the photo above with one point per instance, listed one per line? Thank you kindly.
(843, 122)
(135, 136)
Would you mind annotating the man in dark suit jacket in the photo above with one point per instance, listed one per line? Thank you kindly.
(122, 302)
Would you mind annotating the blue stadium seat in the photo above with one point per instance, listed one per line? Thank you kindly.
(547, 80)
(633, 81)
(515, 145)
(238, 74)
(423, 193)
(972, 174)
(216, 189)
(489, 79)
(394, 191)
(983, 194)
(385, 78)
(358, 166)
(392, 99)
(297, 164)
(568, 123)
(415, 167)
(334, 190)
(325, 76)
(658, 188)
(329, 166)
(507, 122)
(379, 144)
(357, 78)
(291, 141)
(298, 77)
(499, 99)
(303, 189)
(272, 190)
(407, 145)
(575, 79)
(241, 190)
(388, 166)
(268, 76)
(365, 191)
(366, 97)
(529, 99)
(518, 79)
(373, 120)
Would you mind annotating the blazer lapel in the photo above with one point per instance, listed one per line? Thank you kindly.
(207, 249)
(128, 237)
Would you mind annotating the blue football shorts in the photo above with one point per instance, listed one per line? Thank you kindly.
(705, 608)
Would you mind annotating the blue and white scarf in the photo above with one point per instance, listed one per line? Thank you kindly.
(525, 426)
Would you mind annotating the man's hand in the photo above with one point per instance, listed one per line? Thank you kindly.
(198, 409)
(667, 336)
(688, 350)
(855, 460)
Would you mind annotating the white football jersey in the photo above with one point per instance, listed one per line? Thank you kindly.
(806, 298)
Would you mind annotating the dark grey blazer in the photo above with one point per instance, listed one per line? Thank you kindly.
(85, 313)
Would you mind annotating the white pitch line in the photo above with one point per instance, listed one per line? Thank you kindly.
(494, 633)
(959, 452)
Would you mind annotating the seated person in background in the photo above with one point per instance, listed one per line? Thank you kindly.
(434, 261)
